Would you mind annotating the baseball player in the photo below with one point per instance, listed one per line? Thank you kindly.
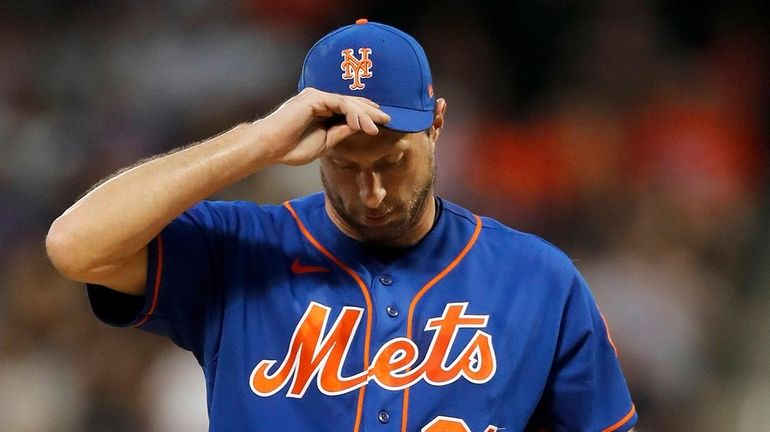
(373, 306)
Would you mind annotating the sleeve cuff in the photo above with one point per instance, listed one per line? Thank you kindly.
(627, 422)
(125, 310)
(113, 307)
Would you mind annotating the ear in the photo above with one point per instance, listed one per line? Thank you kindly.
(438, 118)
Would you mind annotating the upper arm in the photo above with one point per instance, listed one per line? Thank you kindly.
(183, 271)
(586, 389)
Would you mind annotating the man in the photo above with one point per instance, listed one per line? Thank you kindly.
(372, 306)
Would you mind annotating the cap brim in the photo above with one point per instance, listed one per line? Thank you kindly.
(407, 120)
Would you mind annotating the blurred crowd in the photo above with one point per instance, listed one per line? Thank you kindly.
(632, 134)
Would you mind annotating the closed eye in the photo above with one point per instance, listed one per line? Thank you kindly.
(344, 165)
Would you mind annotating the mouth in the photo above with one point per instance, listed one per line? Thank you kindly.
(375, 218)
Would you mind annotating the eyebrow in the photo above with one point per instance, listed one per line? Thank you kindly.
(399, 153)
(396, 153)
(401, 146)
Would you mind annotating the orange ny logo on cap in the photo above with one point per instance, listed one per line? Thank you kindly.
(356, 69)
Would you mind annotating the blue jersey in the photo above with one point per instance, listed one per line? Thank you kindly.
(476, 328)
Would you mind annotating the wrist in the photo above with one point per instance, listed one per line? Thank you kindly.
(257, 149)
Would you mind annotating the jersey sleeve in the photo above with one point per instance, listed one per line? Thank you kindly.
(183, 296)
(586, 390)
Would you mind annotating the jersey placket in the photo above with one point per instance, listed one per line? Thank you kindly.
(382, 407)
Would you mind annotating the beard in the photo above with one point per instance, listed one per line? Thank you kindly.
(404, 214)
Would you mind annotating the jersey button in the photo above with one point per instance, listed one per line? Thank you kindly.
(386, 280)
(383, 416)
(392, 311)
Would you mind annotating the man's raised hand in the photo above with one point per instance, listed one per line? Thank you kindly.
(299, 131)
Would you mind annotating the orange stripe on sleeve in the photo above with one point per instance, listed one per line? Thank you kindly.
(156, 286)
(422, 292)
(609, 336)
(364, 290)
(622, 421)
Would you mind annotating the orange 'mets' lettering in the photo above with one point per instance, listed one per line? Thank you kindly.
(313, 354)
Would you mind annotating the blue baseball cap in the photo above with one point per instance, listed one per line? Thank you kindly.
(380, 63)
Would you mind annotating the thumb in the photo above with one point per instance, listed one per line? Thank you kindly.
(337, 133)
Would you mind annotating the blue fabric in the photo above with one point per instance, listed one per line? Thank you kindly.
(238, 278)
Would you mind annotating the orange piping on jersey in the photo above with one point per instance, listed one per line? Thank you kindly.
(156, 287)
(423, 290)
(609, 336)
(622, 421)
(361, 285)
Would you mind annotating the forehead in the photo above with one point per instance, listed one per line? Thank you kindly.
(384, 143)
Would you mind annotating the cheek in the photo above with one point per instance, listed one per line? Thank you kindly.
(400, 187)
(341, 184)
(411, 177)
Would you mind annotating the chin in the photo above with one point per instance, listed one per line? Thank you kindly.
(383, 235)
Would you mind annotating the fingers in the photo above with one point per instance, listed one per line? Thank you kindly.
(379, 117)
(355, 122)
(352, 119)
(366, 121)
(368, 126)
(360, 113)
(364, 116)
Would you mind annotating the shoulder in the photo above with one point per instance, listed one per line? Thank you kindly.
(507, 242)
(521, 259)
(237, 217)
(227, 213)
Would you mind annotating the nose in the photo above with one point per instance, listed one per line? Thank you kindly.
(370, 188)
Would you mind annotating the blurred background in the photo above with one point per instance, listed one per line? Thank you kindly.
(633, 134)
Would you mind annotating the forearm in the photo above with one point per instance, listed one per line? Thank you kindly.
(103, 237)
(120, 217)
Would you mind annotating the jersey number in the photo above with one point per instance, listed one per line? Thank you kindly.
(451, 424)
